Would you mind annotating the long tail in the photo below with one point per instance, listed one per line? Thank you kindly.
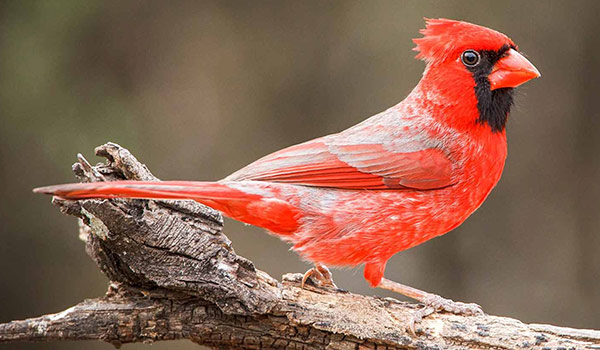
(250, 207)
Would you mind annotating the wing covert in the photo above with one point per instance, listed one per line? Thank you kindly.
(386, 151)
(323, 163)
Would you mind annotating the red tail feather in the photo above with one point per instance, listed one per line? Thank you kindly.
(236, 203)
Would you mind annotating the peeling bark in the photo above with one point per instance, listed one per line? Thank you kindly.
(175, 276)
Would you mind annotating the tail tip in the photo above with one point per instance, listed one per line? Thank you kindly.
(44, 190)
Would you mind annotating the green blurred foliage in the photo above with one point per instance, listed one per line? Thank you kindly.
(197, 89)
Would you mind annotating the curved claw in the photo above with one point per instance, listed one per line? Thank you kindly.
(320, 274)
(417, 317)
(308, 274)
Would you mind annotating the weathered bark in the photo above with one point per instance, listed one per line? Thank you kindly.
(176, 276)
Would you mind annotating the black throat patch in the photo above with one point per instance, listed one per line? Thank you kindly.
(493, 106)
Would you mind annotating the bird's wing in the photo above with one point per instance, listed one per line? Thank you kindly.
(364, 157)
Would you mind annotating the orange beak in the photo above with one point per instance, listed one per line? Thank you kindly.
(511, 71)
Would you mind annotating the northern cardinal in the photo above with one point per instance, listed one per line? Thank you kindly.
(396, 180)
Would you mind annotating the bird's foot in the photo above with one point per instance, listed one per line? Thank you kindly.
(321, 276)
(432, 303)
(435, 303)
(456, 307)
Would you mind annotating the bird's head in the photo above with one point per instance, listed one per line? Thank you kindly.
(466, 61)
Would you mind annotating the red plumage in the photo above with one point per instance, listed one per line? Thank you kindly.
(400, 178)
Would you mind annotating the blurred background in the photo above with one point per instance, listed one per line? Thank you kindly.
(198, 89)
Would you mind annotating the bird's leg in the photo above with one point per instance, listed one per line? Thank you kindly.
(321, 274)
(433, 303)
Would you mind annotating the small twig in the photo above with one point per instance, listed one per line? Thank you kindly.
(88, 169)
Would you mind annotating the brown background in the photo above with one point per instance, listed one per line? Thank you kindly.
(196, 90)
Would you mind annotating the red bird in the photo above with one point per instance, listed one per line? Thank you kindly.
(396, 180)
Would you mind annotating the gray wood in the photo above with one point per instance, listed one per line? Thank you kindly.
(175, 276)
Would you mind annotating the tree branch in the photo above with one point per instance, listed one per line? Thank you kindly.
(176, 276)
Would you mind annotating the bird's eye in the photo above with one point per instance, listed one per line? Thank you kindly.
(470, 58)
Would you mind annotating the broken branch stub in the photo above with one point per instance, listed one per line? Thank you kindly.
(177, 245)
